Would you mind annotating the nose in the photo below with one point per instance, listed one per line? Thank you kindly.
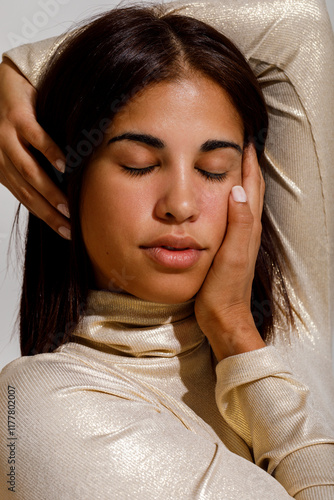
(177, 201)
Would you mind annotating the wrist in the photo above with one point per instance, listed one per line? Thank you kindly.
(8, 63)
(232, 347)
(240, 338)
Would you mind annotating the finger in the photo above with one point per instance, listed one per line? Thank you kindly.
(12, 189)
(30, 130)
(253, 181)
(17, 158)
(239, 230)
(254, 185)
(32, 199)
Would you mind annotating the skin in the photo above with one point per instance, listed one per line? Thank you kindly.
(19, 171)
(179, 201)
(119, 213)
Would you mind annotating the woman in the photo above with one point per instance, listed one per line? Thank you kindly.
(158, 399)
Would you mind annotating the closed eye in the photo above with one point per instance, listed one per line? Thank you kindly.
(134, 172)
(213, 177)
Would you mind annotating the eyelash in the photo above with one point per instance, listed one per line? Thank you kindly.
(135, 172)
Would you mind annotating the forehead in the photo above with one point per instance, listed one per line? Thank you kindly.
(190, 104)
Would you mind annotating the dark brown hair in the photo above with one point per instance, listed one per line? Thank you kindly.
(94, 73)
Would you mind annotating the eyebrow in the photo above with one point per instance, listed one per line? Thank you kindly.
(207, 146)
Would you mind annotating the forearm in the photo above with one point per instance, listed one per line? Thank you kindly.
(232, 337)
(30, 59)
(273, 413)
(117, 425)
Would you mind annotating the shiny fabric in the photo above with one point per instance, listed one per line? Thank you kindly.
(170, 435)
(136, 407)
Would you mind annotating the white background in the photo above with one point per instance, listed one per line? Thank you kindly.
(23, 21)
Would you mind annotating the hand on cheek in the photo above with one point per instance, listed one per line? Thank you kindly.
(222, 305)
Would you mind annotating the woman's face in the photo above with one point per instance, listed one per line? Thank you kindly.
(163, 173)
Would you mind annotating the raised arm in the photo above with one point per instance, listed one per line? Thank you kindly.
(290, 47)
(19, 171)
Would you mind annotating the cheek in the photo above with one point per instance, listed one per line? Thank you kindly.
(215, 208)
(109, 215)
(97, 212)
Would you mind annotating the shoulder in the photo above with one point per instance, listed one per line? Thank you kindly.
(55, 393)
(87, 430)
(268, 30)
(38, 374)
(80, 432)
(65, 416)
(60, 377)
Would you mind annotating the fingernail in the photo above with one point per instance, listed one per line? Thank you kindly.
(60, 165)
(239, 194)
(63, 209)
(65, 232)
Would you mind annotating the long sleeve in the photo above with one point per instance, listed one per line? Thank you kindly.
(101, 431)
(32, 58)
(289, 44)
(81, 432)
(270, 410)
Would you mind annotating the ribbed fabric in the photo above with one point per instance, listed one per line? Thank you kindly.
(128, 425)
(289, 44)
(136, 407)
(309, 458)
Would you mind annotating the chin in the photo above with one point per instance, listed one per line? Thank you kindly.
(172, 288)
(166, 299)
(174, 293)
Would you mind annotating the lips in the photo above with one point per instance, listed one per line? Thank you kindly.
(174, 249)
(174, 252)
(171, 242)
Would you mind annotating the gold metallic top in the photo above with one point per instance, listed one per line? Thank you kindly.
(135, 407)
(128, 410)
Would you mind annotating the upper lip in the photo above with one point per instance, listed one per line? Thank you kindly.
(172, 241)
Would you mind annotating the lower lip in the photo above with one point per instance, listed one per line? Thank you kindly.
(176, 259)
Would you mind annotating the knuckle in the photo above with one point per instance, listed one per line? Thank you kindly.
(49, 219)
(14, 116)
(27, 171)
(258, 241)
(25, 195)
(238, 260)
(259, 177)
(3, 129)
(257, 226)
(238, 264)
(49, 150)
(263, 184)
(245, 220)
(32, 134)
(3, 181)
(19, 119)
(46, 149)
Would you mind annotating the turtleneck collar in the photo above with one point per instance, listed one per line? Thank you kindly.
(126, 325)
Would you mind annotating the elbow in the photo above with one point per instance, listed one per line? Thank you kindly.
(308, 20)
